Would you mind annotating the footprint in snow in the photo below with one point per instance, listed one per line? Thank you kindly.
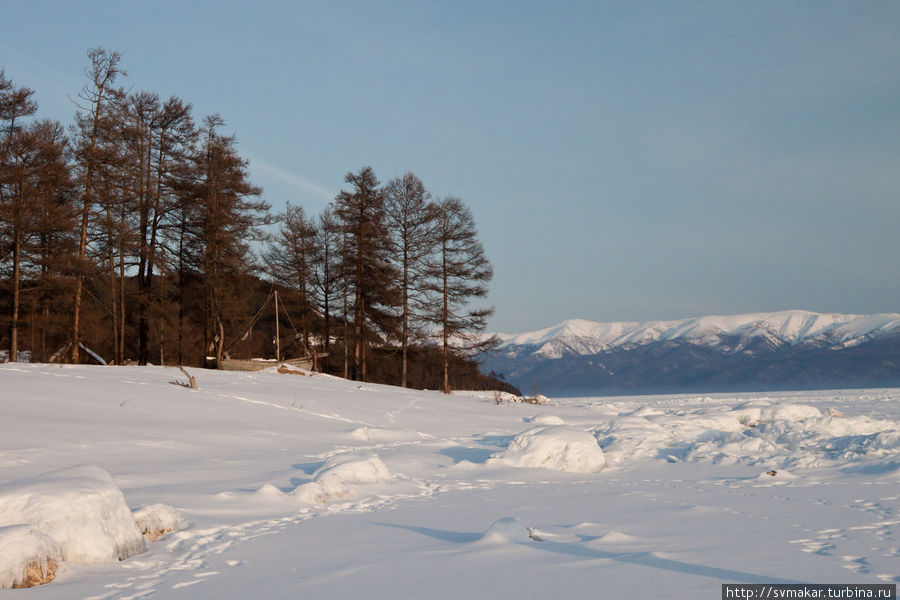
(858, 564)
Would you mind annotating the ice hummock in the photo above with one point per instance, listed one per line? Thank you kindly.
(559, 447)
(81, 509)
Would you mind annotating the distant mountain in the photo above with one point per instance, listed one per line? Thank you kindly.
(792, 349)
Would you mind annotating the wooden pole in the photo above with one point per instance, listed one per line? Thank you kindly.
(277, 332)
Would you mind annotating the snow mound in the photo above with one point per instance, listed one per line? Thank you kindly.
(775, 475)
(644, 411)
(156, 520)
(23, 551)
(546, 420)
(753, 414)
(615, 537)
(506, 531)
(495, 396)
(80, 508)
(379, 434)
(559, 447)
(267, 489)
(334, 478)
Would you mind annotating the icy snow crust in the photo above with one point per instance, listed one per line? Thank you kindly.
(287, 487)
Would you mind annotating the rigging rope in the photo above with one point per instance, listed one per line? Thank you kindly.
(253, 321)
(296, 333)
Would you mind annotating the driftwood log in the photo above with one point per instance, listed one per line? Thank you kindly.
(191, 382)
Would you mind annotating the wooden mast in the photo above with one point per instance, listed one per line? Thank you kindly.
(277, 334)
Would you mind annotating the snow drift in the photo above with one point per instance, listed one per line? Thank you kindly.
(333, 480)
(156, 520)
(80, 509)
(559, 447)
(507, 531)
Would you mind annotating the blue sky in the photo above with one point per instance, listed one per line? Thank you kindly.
(624, 161)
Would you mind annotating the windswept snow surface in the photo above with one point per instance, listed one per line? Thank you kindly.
(314, 487)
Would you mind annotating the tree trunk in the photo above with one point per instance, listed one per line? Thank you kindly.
(45, 317)
(405, 332)
(112, 293)
(122, 290)
(180, 293)
(446, 321)
(14, 325)
(220, 344)
(104, 70)
(346, 336)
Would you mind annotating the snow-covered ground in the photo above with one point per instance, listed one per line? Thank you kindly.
(288, 486)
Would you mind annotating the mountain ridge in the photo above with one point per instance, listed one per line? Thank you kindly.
(785, 349)
(789, 326)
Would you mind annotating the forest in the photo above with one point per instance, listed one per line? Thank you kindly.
(135, 236)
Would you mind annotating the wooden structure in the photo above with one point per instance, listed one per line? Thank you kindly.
(308, 361)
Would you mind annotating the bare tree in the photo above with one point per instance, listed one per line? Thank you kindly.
(459, 273)
(326, 272)
(175, 138)
(96, 103)
(230, 216)
(52, 247)
(370, 275)
(412, 221)
(18, 153)
(289, 259)
(159, 141)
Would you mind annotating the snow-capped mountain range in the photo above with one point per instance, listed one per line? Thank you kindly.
(577, 336)
(793, 348)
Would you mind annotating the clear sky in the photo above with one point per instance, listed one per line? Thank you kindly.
(624, 160)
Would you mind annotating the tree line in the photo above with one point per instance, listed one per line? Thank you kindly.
(137, 235)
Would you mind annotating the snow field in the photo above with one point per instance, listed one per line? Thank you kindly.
(289, 487)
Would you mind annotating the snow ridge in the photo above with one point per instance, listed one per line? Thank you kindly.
(790, 327)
